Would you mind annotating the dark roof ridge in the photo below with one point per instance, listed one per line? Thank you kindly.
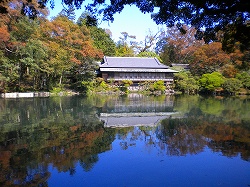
(158, 62)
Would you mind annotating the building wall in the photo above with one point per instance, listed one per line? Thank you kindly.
(139, 76)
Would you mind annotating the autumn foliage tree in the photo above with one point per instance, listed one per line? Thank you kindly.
(175, 47)
(38, 54)
(209, 58)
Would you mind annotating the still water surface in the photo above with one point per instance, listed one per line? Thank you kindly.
(125, 141)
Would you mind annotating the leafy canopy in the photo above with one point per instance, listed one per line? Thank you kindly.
(214, 15)
(211, 82)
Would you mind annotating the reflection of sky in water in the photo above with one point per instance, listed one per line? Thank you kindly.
(143, 165)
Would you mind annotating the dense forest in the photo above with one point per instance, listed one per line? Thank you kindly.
(42, 54)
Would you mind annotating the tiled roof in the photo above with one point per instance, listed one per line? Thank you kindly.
(132, 62)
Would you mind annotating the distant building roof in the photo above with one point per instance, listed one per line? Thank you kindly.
(181, 66)
(138, 64)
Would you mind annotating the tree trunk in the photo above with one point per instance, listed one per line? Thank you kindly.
(60, 81)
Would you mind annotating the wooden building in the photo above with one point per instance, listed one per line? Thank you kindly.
(136, 69)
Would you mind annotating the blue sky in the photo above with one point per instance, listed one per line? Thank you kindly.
(130, 20)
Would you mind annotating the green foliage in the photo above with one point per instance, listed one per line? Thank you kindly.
(149, 54)
(25, 29)
(186, 83)
(33, 57)
(158, 86)
(127, 83)
(57, 90)
(104, 85)
(169, 53)
(232, 85)
(40, 54)
(124, 86)
(6, 77)
(87, 19)
(102, 41)
(203, 15)
(211, 82)
(123, 50)
(85, 87)
(99, 85)
(244, 77)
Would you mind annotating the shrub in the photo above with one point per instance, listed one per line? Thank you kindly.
(124, 86)
(232, 85)
(211, 81)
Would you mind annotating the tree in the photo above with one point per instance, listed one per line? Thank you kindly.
(19, 51)
(87, 19)
(158, 86)
(229, 71)
(73, 50)
(29, 8)
(6, 75)
(209, 58)
(186, 83)
(148, 43)
(38, 54)
(4, 37)
(123, 48)
(34, 57)
(68, 12)
(211, 82)
(232, 85)
(149, 54)
(102, 41)
(209, 14)
(236, 34)
(244, 77)
(175, 47)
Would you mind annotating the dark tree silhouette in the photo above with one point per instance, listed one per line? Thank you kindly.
(213, 15)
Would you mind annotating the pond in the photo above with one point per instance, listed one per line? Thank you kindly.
(132, 140)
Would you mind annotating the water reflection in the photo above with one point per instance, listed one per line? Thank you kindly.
(63, 132)
(137, 110)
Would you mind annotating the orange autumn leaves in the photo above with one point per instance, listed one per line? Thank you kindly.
(71, 37)
(38, 54)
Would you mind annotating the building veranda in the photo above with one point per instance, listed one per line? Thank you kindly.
(136, 69)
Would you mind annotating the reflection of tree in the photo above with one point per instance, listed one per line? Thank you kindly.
(178, 138)
(57, 132)
(190, 136)
(88, 162)
(223, 121)
(62, 153)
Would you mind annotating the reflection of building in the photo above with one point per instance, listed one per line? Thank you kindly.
(136, 69)
(133, 119)
(136, 110)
